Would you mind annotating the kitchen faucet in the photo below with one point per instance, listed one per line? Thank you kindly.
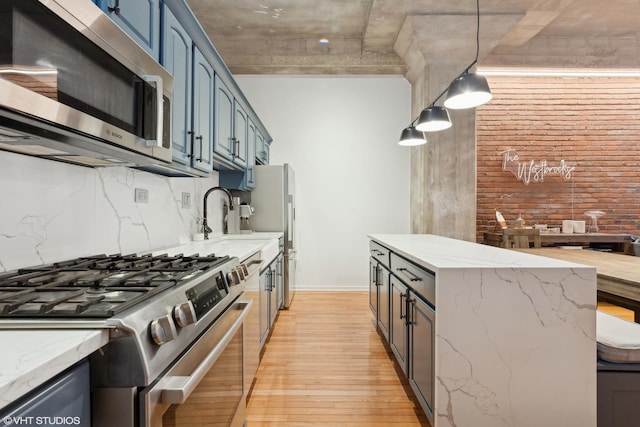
(205, 227)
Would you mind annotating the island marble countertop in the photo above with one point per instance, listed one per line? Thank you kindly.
(437, 252)
(31, 357)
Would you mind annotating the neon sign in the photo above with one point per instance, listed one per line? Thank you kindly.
(533, 171)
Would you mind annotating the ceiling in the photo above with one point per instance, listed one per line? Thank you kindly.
(376, 36)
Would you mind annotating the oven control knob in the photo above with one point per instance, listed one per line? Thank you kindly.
(184, 314)
(230, 279)
(233, 278)
(163, 330)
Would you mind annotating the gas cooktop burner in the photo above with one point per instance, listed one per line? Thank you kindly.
(96, 286)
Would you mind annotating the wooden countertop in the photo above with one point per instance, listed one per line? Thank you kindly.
(618, 274)
(610, 264)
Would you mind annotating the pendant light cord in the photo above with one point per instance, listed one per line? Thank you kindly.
(477, 31)
(475, 61)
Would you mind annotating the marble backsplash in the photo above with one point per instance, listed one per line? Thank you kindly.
(53, 211)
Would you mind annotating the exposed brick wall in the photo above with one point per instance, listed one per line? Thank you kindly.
(592, 123)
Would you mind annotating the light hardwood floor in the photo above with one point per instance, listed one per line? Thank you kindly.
(617, 311)
(325, 365)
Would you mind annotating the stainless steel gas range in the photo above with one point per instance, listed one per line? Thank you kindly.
(176, 331)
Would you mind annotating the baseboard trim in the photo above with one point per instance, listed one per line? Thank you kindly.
(334, 288)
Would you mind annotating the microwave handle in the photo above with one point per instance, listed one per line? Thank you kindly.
(159, 110)
(177, 389)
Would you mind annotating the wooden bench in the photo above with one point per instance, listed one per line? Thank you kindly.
(618, 371)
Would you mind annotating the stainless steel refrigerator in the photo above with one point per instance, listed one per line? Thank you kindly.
(274, 202)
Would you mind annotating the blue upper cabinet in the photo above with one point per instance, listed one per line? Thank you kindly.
(177, 59)
(240, 125)
(244, 179)
(203, 108)
(250, 174)
(223, 144)
(262, 148)
(213, 124)
(140, 19)
(231, 127)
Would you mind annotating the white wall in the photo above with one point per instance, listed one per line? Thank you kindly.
(340, 135)
(53, 211)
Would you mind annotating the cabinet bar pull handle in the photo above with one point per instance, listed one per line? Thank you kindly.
(410, 321)
(412, 277)
(115, 9)
(200, 138)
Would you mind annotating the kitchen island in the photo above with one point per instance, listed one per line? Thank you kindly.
(514, 335)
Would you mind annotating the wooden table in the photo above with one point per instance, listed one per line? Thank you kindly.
(622, 242)
(618, 274)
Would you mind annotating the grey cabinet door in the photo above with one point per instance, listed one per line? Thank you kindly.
(384, 301)
(422, 320)
(280, 280)
(273, 296)
(264, 305)
(373, 287)
(398, 334)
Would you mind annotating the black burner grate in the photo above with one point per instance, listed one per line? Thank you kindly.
(96, 286)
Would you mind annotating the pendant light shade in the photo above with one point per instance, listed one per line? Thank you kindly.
(433, 119)
(468, 91)
(411, 136)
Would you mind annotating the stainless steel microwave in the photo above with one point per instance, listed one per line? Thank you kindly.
(75, 87)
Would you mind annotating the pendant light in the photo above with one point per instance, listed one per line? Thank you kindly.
(469, 90)
(433, 119)
(411, 136)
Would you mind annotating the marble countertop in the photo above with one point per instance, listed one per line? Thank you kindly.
(31, 357)
(234, 245)
(437, 252)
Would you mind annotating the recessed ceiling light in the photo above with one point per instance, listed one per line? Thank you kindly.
(323, 40)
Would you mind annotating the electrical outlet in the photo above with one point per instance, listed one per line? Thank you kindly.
(186, 200)
(141, 195)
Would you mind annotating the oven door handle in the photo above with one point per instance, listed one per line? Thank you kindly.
(156, 81)
(177, 389)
